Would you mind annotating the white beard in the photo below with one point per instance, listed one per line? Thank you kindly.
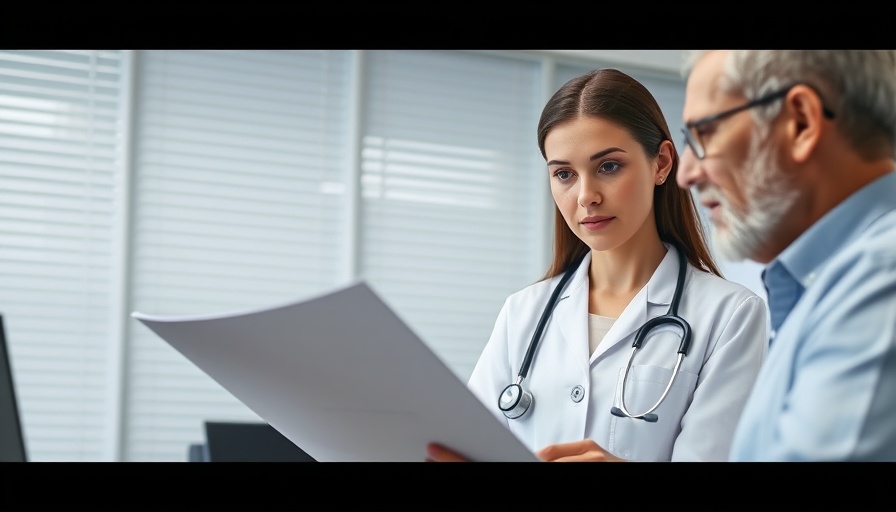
(769, 197)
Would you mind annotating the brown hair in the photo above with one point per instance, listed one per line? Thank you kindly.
(611, 94)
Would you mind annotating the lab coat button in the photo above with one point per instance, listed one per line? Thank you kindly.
(577, 394)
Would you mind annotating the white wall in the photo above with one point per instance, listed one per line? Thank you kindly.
(668, 61)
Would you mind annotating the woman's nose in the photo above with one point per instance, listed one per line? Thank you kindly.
(589, 194)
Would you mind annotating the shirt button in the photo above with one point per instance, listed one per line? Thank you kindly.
(577, 394)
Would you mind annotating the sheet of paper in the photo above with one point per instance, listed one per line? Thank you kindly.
(343, 377)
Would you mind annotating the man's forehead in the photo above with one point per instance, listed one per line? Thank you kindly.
(703, 91)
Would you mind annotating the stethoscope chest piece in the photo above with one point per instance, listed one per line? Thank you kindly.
(514, 401)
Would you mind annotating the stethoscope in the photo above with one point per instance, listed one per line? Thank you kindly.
(515, 401)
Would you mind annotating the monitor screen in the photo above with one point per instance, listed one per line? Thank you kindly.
(12, 442)
(250, 442)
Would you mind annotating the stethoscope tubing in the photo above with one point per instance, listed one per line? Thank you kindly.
(545, 315)
(520, 401)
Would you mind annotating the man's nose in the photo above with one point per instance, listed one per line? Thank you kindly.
(689, 173)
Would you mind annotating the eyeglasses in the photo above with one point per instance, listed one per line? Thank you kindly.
(692, 130)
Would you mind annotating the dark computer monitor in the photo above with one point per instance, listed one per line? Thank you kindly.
(12, 441)
(249, 442)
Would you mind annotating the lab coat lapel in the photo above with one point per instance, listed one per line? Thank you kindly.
(652, 300)
(571, 313)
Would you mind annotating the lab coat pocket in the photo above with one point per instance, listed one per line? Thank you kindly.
(637, 439)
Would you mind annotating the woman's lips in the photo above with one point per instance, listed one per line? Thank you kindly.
(596, 223)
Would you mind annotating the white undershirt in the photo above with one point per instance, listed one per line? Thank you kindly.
(598, 327)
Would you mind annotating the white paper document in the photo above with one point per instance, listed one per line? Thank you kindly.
(343, 377)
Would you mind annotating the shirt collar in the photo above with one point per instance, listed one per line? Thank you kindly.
(806, 256)
(795, 269)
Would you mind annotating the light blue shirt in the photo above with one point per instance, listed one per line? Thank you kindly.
(827, 390)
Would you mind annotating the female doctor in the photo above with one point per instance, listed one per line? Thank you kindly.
(584, 392)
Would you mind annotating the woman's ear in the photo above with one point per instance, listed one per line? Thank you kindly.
(664, 159)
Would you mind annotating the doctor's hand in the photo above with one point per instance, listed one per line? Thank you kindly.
(438, 453)
(585, 450)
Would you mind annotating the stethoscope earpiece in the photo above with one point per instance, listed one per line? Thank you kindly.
(649, 417)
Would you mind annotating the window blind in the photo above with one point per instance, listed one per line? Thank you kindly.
(450, 195)
(60, 147)
(239, 172)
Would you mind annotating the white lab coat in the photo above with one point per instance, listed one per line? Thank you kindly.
(698, 417)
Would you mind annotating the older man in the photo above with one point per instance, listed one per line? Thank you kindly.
(792, 153)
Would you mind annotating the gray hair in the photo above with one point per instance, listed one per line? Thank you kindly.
(859, 86)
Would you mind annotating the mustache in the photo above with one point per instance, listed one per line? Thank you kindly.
(712, 195)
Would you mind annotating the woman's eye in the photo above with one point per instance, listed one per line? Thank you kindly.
(609, 167)
(563, 175)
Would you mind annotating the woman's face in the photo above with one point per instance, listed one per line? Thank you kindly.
(602, 181)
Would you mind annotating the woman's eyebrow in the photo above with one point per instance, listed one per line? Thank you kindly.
(593, 157)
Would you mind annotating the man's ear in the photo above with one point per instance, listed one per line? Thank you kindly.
(806, 124)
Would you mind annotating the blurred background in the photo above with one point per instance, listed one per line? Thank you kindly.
(199, 181)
